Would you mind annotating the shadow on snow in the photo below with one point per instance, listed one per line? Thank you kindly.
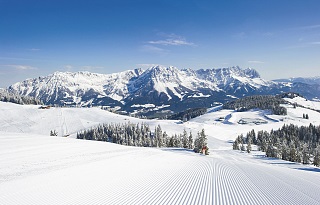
(311, 169)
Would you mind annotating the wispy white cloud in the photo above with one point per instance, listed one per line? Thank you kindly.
(67, 67)
(21, 67)
(315, 43)
(171, 40)
(162, 46)
(153, 49)
(310, 27)
(305, 45)
(11, 58)
(256, 62)
(168, 35)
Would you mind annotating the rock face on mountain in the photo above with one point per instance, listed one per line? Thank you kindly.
(155, 89)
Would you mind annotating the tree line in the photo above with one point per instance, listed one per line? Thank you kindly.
(290, 142)
(6, 96)
(140, 135)
(188, 114)
(264, 102)
(289, 95)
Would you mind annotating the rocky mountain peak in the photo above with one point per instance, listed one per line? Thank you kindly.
(158, 85)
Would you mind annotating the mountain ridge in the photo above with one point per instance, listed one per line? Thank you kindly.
(160, 86)
(306, 80)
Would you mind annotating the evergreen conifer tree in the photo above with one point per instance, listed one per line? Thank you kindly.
(190, 143)
(185, 141)
(235, 144)
(249, 148)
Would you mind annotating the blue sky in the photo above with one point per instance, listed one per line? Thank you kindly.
(279, 38)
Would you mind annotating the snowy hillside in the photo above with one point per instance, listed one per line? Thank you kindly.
(305, 103)
(66, 121)
(36, 168)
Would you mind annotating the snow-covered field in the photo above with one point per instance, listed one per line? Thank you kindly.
(36, 168)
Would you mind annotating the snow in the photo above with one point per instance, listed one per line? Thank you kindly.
(199, 95)
(163, 106)
(231, 96)
(66, 121)
(37, 168)
(304, 102)
(144, 105)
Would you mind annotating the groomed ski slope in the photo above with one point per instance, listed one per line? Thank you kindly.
(38, 169)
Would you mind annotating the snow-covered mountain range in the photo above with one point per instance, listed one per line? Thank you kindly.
(310, 80)
(158, 87)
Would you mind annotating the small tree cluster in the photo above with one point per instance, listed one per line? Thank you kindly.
(263, 102)
(291, 143)
(305, 116)
(200, 143)
(53, 133)
(140, 135)
(245, 143)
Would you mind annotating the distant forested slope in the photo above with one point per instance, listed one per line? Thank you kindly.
(188, 114)
(263, 102)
